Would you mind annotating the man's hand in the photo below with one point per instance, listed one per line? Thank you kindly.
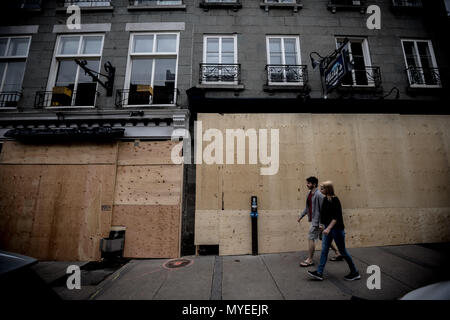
(299, 218)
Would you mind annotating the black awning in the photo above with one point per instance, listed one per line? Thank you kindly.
(65, 134)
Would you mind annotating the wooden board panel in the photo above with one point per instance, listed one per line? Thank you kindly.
(148, 185)
(54, 212)
(145, 152)
(151, 230)
(207, 227)
(390, 171)
(71, 153)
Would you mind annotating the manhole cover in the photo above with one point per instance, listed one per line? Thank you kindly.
(177, 263)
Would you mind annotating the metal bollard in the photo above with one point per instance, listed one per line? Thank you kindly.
(254, 217)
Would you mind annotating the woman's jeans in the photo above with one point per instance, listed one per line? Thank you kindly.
(339, 239)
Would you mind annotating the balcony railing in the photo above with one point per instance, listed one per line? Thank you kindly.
(151, 3)
(220, 73)
(133, 97)
(370, 76)
(84, 3)
(65, 99)
(335, 5)
(286, 74)
(407, 3)
(22, 4)
(9, 99)
(424, 77)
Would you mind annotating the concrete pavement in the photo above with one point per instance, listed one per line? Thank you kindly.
(272, 277)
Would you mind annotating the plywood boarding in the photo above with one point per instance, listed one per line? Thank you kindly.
(278, 230)
(148, 185)
(54, 212)
(145, 152)
(72, 153)
(152, 230)
(384, 162)
(148, 198)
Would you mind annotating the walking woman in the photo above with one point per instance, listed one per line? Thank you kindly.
(333, 224)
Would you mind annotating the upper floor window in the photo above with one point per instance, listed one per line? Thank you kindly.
(69, 85)
(363, 73)
(152, 70)
(13, 56)
(421, 63)
(220, 59)
(283, 60)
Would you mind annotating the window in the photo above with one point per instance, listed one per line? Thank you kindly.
(283, 60)
(13, 57)
(152, 69)
(69, 84)
(220, 60)
(420, 63)
(280, 1)
(363, 73)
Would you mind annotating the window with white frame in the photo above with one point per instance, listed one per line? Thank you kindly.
(152, 69)
(363, 74)
(283, 60)
(421, 63)
(13, 57)
(86, 3)
(220, 60)
(69, 85)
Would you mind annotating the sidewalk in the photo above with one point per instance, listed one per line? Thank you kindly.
(270, 277)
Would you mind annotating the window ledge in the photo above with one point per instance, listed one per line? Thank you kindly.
(145, 106)
(295, 6)
(99, 8)
(220, 5)
(158, 7)
(360, 89)
(69, 107)
(348, 7)
(218, 86)
(285, 87)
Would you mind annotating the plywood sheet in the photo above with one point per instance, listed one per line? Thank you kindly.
(149, 185)
(391, 173)
(145, 152)
(71, 153)
(207, 227)
(56, 212)
(151, 230)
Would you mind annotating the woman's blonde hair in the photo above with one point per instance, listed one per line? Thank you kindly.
(329, 189)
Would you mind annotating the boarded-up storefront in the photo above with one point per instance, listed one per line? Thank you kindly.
(58, 200)
(391, 173)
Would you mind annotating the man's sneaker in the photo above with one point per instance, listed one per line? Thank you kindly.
(352, 276)
(316, 275)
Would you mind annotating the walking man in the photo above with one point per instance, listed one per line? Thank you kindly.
(314, 201)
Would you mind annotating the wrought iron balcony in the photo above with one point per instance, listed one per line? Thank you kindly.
(136, 97)
(9, 99)
(369, 77)
(22, 4)
(154, 3)
(84, 3)
(286, 74)
(233, 4)
(294, 4)
(65, 98)
(359, 5)
(423, 77)
(220, 73)
(407, 3)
